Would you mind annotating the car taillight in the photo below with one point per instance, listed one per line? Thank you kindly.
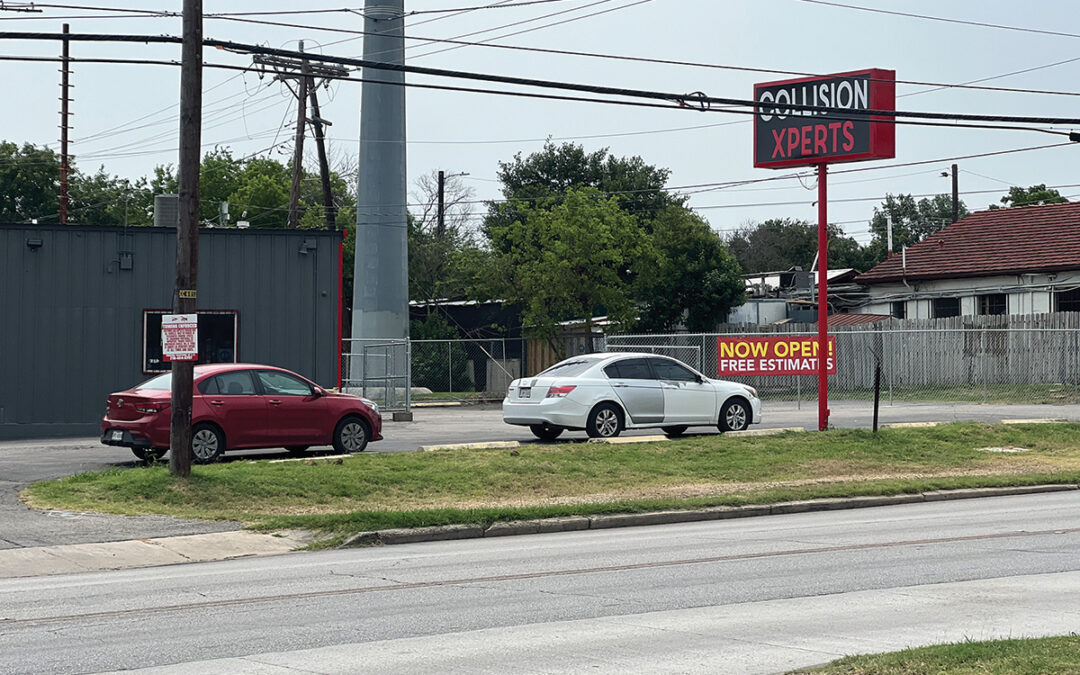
(150, 408)
(559, 392)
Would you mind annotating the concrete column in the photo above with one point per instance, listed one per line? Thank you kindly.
(381, 282)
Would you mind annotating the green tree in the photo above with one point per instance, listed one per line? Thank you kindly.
(1034, 195)
(694, 281)
(29, 183)
(912, 221)
(546, 175)
(432, 252)
(782, 243)
(544, 181)
(564, 262)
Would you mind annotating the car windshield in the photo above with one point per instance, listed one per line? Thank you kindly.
(161, 382)
(571, 367)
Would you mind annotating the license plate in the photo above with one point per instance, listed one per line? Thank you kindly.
(118, 435)
(525, 392)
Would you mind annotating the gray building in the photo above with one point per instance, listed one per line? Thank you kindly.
(81, 307)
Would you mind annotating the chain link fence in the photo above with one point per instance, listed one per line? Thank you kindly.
(377, 369)
(466, 369)
(979, 365)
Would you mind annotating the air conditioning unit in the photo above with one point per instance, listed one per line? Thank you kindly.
(166, 210)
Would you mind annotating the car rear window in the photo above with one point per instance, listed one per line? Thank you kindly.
(161, 383)
(571, 367)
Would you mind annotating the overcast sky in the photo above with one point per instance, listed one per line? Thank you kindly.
(125, 115)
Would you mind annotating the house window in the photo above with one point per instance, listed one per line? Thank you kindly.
(898, 309)
(1067, 301)
(995, 303)
(945, 307)
(217, 339)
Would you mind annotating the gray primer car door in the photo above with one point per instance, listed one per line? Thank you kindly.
(640, 393)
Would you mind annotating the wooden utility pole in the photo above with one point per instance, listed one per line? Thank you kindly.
(317, 122)
(298, 149)
(187, 235)
(440, 216)
(955, 195)
(65, 160)
(305, 72)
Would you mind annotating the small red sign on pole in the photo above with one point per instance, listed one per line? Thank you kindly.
(180, 337)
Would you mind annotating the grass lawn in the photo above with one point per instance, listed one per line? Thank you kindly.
(1057, 655)
(380, 490)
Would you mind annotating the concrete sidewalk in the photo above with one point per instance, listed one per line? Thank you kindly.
(118, 555)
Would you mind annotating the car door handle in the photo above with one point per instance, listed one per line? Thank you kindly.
(620, 385)
(274, 401)
(217, 402)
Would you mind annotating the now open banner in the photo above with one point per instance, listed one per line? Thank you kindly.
(773, 355)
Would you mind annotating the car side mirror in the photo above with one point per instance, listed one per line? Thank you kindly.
(700, 379)
(319, 391)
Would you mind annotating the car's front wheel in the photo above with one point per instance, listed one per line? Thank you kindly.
(148, 454)
(545, 432)
(605, 421)
(207, 443)
(351, 435)
(735, 415)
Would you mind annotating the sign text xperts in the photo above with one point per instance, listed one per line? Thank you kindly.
(835, 128)
(774, 355)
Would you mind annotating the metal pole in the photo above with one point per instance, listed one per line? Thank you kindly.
(823, 300)
(187, 234)
(450, 365)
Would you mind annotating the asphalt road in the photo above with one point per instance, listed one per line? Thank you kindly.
(755, 595)
(22, 462)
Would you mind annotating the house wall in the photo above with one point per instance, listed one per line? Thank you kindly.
(1025, 294)
(72, 311)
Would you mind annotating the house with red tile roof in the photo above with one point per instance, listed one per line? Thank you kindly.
(1016, 261)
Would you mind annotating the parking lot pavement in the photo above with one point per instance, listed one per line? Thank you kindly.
(469, 424)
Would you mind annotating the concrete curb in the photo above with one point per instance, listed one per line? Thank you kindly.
(602, 522)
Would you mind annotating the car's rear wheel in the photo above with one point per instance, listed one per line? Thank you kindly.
(734, 416)
(545, 432)
(207, 443)
(675, 431)
(605, 421)
(296, 450)
(148, 454)
(351, 435)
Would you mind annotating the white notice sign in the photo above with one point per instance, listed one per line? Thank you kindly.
(180, 337)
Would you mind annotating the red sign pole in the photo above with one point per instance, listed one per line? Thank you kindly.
(823, 299)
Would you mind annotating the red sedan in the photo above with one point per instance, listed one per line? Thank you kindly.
(239, 406)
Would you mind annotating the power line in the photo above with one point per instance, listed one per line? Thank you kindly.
(980, 24)
(239, 16)
(687, 101)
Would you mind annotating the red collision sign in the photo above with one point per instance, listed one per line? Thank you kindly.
(821, 120)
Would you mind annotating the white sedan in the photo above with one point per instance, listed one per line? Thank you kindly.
(606, 393)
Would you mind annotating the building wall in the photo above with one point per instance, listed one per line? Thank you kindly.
(1025, 294)
(72, 315)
